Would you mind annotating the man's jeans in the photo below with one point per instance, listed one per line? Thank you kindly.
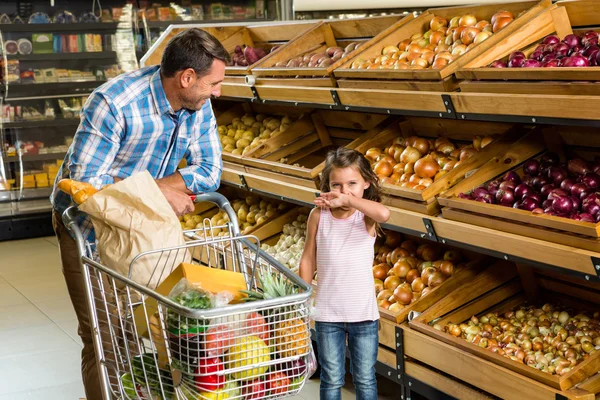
(363, 341)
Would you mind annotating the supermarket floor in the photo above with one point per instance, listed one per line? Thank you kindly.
(39, 345)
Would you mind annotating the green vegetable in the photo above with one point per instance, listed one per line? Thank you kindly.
(128, 386)
(153, 383)
(194, 299)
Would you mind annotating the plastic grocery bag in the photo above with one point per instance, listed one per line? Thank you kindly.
(131, 217)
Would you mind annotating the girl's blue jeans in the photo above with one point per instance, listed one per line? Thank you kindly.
(363, 341)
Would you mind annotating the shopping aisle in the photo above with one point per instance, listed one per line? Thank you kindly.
(39, 345)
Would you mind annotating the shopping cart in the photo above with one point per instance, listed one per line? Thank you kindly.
(151, 346)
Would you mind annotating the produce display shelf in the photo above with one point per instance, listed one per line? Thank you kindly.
(166, 24)
(63, 56)
(44, 123)
(492, 107)
(33, 91)
(87, 27)
(508, 246)
(36, 157)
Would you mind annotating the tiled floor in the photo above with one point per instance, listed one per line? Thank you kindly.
(39, 345)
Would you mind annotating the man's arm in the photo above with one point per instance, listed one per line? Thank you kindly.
(203, 173)
(96, 142)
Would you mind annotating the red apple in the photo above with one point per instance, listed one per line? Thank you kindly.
(278, 383)
(253, 390)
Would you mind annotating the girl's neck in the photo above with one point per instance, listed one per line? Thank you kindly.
(342, 213)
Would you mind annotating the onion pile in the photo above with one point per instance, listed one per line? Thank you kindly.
(444, 42)
(416, 162)
(570, 190)
(404, 271)
(572, 51)
(550, 339)
(290, 245)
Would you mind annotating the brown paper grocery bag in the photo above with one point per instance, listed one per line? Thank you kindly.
(131, 217)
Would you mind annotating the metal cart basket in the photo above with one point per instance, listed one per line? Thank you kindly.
(152, 346)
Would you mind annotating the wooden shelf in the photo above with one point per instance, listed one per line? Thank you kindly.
(507, 107)
(571, 260)
(77, 27)
(42, 123)
(36, 157)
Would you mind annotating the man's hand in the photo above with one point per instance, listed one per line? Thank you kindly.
(179, 201)
(332, 200)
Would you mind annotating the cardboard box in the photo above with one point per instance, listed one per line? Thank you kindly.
(46, 183)
(211, 279)
(41, 176)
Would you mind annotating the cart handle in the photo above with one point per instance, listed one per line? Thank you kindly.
(221, 202)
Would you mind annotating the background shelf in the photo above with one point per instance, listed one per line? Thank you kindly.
(101, 26)
(63, 56)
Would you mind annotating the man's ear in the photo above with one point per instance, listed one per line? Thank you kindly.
(187, 77)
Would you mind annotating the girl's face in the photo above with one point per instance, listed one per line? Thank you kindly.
(347, 181)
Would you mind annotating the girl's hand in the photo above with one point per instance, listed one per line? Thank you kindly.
(332, 200)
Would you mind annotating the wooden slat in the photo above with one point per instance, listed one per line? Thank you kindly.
(278, 32)
(288, 81)
(347, 134)
(235, 90)
(295, 94)
(531, 87)
(534, 74)
(442, 383)
(351, 120)
(454, 129)
(363, 27)
(448, 84)
(292, 147)
(277, 188)
(282, 172)
(531, 231)
(582, 12)
(276, 224)
(299, 128)
(399, 100)
(412, 205)
(321, 130)
(570, 258)
(484, 374)
(578, 292)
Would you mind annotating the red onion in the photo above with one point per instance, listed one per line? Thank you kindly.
(590, 53)
(551, 157)
(554, 63)
(566, 185)
(517, 204)
(522, 190)
(464, 196)
(591, 207)
(551, 39)
(575, 51)
(531, 167)
(585, 193)
(561, 50)
(539, 182)
(572, 40)
(528, 180)
(516, 54)
(597, 217)
(579, 61)
(492, 187)
(516, 62)
(564, 62)
(578, 166)
(546, 189)
(486, 199)
(498, 64)
(577, 189)
(557, 174)
(596, 168)
(598, 59)
(505, 197)
(585, 217)
(507, 185)
(531, 64)
(541, 47)
(590, 38)
(513, 177)
(554, 193)
(529, 204)
(591, 180)
(479, 192)
(562, 205)
(576, 202)
(549, 211)
(537, 55)
(534, 196)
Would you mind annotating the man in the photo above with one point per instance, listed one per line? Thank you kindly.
(148, 119)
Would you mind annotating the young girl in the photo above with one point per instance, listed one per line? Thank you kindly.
(340, 236)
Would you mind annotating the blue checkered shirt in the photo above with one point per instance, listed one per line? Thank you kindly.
(128, 126)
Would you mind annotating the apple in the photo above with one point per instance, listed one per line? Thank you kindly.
(277, 383)
(257, 325)
(253, 390)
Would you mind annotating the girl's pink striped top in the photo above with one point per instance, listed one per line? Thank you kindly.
(345, 290)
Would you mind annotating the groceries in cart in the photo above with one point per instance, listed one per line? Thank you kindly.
(240, 355)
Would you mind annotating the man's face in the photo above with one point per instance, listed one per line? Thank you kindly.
(198, 89)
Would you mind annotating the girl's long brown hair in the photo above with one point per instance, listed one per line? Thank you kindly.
(343, 158)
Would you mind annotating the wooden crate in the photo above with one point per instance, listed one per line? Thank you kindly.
(266, 36)
(473, 265)
(565, 231)
(500, 289)
(300, 127)
(432, 79)
(220, 32)
(317, 39)
(569, 81)
(306, 143)
(458, 131)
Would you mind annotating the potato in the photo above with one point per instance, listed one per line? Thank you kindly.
(238, 135)
(274, 124)
(229, 148)
(240, 144)
(187, 217)
(270, 213)
(190, 224)
(260, 117)
(230, 133)
(248, 135)
(261, 220)
(251, 217)
(255, 208)
(197, 219)
(242, 214)
(252, 200)
(238, 152)
(263, 204)
(243, 152)
(222, 130)
(237, 204)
